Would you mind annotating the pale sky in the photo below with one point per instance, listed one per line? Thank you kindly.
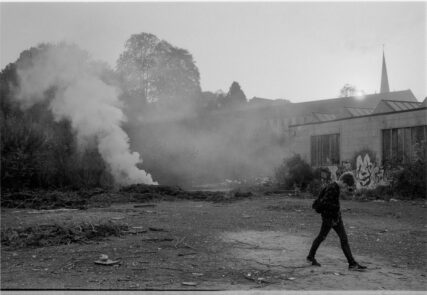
(298, 51)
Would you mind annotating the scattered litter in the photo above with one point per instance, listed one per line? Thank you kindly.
(144, 205)
(352, 227)
(262, 280)
(291, 278)
(384, 231)
(197, 274)
(103, 257)
(104, 260)
(14, 254)
(117, 218)
(337, 273)
(393, 200)
(156, 229)
(379, 201)
(186, 254)
(189, 283)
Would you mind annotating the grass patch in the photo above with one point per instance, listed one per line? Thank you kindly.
(59, 234)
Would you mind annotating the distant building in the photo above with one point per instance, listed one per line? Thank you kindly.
(361, 134)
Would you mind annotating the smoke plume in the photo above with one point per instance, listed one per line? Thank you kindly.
(81, 96)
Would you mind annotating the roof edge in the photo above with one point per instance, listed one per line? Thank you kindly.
(363, 116)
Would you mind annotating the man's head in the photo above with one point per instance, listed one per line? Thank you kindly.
(347, 182)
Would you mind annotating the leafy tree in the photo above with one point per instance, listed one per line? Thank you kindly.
(235, 95)
(154, 71)
(37, 151)
(350, 90)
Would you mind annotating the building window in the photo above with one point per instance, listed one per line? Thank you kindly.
(399, 144)
(325, 150)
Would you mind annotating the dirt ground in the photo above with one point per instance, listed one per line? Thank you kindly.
(258, 243)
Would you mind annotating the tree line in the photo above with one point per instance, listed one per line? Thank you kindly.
(160, 90)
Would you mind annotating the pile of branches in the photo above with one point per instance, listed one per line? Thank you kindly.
(41, 199)
(145, 193)
(46, 200)
(56, 234)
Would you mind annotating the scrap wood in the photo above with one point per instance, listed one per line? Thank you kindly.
(107, 262)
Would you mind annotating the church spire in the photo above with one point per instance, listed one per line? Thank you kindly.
(384, 77)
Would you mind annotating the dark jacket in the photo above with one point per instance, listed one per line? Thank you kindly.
(329, 202)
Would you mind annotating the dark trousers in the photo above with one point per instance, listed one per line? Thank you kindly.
(338, 226)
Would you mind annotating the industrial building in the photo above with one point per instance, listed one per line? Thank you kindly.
(364, 134)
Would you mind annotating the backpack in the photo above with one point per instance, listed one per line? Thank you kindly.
(323, 202)
(317, 205)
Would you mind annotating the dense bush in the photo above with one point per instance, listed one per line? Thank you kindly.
(410, 181)
(294, 172)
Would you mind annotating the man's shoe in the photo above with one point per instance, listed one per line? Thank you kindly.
(357, 267)
(313, 261)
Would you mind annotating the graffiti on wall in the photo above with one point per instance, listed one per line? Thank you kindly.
(367, 173)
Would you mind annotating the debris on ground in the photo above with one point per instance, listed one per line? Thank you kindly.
(144, 205)
(107, 262)
(145, 193)
(104, 260)
(56, 234)
(39, 199)
(256, 277)
(189, 284)
(197, 274)
(156, 229)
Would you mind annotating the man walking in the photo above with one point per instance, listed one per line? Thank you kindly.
(328, 205)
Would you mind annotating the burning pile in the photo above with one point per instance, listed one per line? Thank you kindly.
(81, 95)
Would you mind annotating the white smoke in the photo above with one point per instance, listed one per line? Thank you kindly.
(82, 97)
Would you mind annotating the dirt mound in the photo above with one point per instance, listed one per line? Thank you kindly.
(55, 234)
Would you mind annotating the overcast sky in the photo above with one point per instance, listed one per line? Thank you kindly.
(298, 51)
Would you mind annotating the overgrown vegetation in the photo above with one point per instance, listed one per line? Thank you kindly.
(294, 172)
(59, 234)
(406, 181)
(410, 180)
